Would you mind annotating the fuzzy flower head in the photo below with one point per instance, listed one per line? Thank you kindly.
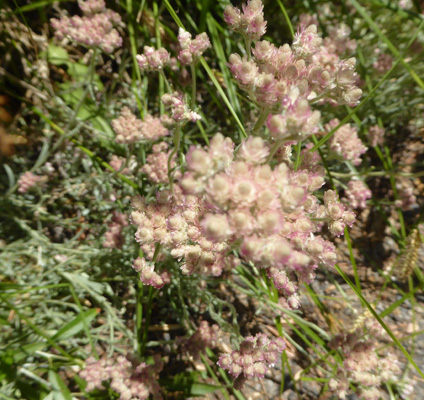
(152, 128)
(357, 194)
(191, 49)
(339, 217)
(250, 22)
(255, 356)
(361, 365)
(129, 381)
(253, 150)
(94, 29)
(114, 238)
(297, 123)
(153, 60)
(345, 142)
(376, 135)
(179, 108)
(205, 336)
(147, 273)
(127, 127)
(270, 212)
(306, 42)
(307, 67)
(156, 167)
(28, 180)
(90, 7)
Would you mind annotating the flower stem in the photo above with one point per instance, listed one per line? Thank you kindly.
(261, 120)
(248, 44)
(177, 141)
(274, 149)
(193, 85)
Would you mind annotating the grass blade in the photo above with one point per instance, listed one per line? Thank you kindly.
(380, 321)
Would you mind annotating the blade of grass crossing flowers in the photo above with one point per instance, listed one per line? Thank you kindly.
(216, 42)
(211, 356)
(380, 321)
(210, 73)
(389, 44)
(224, 97)
(390, 5)
(352, 259)
(214, 377)
(286, 16)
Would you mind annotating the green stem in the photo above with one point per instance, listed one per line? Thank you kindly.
(248, 44)
(168, 86)
(286, 16)
(261, 120)
(152, 294)
(274, 149)
(193, 86)
(177, 141)
(147, 321)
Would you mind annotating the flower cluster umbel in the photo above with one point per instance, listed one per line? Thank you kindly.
(286, 80)
(94, 29)
(130, 129)
(129, 381)
(269, 213)
(362, 365)
(255, 356)
(28, 180)
(114, 238)
(205, 336)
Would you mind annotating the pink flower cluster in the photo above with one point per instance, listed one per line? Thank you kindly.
(113, 236)
(250, 22)
(297, 122)
(156, 167)
(118, 163)
(406, 198)
(153, 60)
(174, 222)
(376, 135)
(256, 355)
(191, 49)
(338, 40)
(152, 128)
(205, 336)
(362, 366)
(345, 142)
(336, 212)
(147, 272)
(179, 108)
(357, 194)
(274, 74)
(28, 180)
(129, 128)
(94, 29)
(130, 382)
(91, 7)
(269, 212)
(383, 63)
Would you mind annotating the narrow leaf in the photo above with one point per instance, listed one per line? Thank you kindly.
(75, 326)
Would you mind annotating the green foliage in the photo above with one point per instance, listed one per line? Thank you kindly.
(65, 297)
